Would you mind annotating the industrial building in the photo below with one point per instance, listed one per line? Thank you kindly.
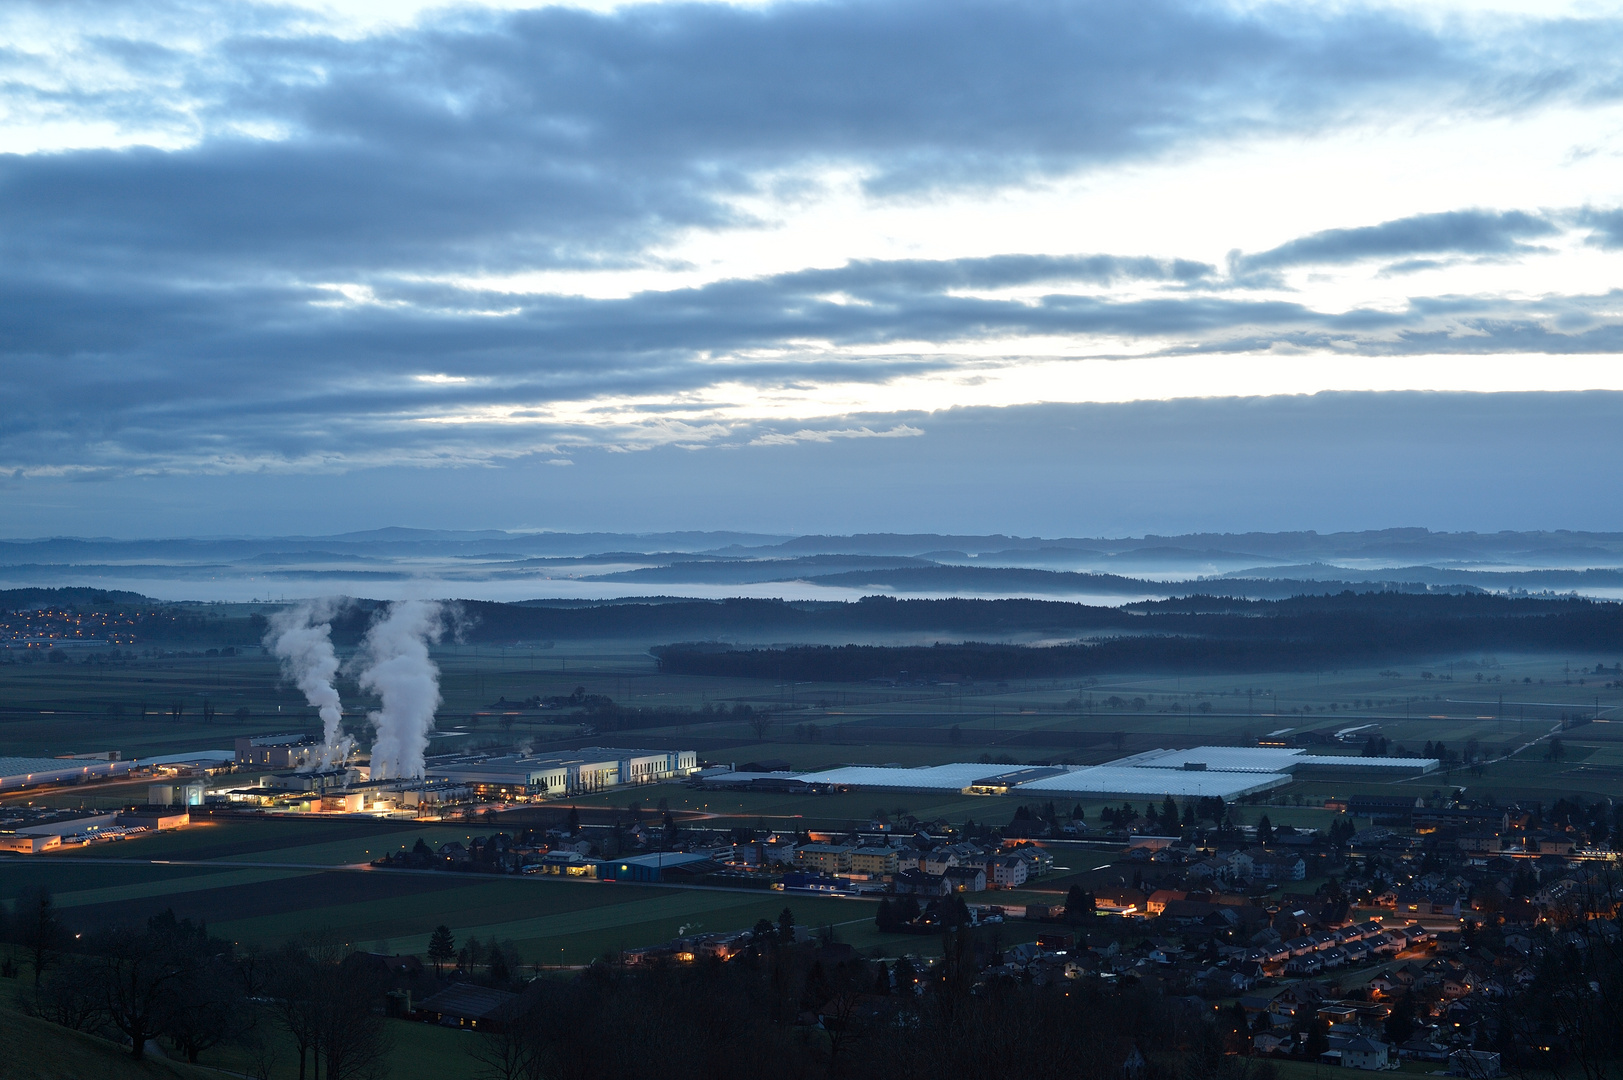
(654, 866)
(954, 778)
(1111, 781)
(1094, 781)
(1226, 772)
(277, 751)
(344, 790)
(16, 772)
(1264, 759)
(571, 772)
(190, 793)
(21, 772)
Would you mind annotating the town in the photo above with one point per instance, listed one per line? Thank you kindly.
(1328, 883)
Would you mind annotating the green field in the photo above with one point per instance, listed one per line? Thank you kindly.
(52, 709)
(264, 882)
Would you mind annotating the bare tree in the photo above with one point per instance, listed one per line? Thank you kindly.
(209, 1008)
(354, 1040)
(259, 1046)
(40, 928)
(329, 1003)
(292, 988)
(514, 1050)
(132, 974)
(67, 998)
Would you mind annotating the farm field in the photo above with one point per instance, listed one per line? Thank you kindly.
(156, 705)
(282, 893)
(550, 921)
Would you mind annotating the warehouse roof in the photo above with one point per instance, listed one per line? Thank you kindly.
(1263, 759)
(1111, 780)
(934, 778)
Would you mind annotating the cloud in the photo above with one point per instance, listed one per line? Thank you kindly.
(260, 265)
(1607, 226)
(817, 435)
(559, 138)
(996, 271)
(1462, 232)
(162, 376)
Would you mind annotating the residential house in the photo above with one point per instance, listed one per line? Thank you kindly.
(918, 883)
(1006, 871)
(1268, 1043)
(466, 1005)
(1474, 1064)
(875, 861)
(1286, 867)
(1363, 1053)
(1038, 861)
(1240, 866)
(1550, 844)
(825, 858)
(1158, 900)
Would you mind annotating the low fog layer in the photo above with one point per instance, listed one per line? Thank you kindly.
(495, 565)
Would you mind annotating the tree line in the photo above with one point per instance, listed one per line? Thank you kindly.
(797, 1010)
(1281, 638)
(168, 979)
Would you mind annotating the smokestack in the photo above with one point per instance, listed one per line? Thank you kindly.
(395, 664)
(301, 637)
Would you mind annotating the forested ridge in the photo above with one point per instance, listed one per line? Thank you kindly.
(1208, 635)
(1197, 633)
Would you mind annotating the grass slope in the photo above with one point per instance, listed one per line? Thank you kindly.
(33, 1049)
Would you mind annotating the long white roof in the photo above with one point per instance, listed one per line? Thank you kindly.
(1115, 780)
(1216, 758)
(1223, 771)
(933, 778)
(1263, 759)
(18, 771)
(1086, 780)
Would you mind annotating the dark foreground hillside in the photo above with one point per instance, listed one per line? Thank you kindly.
(36, 1049)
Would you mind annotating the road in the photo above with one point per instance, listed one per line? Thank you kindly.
(368, 868)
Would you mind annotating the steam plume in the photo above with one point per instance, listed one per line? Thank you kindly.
(301, 637)
(395, 663)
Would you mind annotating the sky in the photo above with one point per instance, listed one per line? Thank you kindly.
(960, 265)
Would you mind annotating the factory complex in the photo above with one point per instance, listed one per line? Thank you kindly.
(455, 778)
(293, 779)
(568, 772)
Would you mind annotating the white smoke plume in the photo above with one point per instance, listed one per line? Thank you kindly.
(301, 638)
(394, 662)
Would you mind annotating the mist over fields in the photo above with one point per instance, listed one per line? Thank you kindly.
(510, 566)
